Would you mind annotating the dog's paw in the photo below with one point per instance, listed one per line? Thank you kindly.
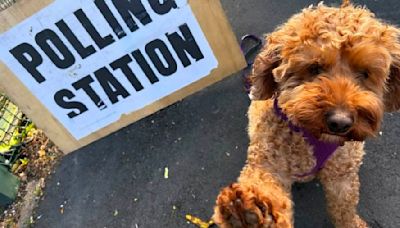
(240, 206)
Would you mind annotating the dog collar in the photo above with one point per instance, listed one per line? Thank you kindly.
(322, 150)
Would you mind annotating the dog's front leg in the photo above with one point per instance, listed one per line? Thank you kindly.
(257, 200)
(342, 195)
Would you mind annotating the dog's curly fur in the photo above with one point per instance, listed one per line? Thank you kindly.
(322, 59)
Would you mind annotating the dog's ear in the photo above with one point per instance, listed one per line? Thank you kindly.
(392, 94)
(263, 85)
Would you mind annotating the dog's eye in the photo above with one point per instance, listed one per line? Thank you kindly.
(363, 74)
(315, 69)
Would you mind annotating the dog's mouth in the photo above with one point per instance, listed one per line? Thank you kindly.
(325, 135)
(333, 138)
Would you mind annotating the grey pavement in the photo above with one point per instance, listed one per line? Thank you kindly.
(119, 180)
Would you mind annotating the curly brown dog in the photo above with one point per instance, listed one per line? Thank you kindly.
(323, 79)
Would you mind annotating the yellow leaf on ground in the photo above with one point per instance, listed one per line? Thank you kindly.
(42, 153)
(198, 222)
(166, 173)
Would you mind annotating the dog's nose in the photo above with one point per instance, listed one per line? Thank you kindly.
(339, 122)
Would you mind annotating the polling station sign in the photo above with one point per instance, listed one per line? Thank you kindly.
(91, 62)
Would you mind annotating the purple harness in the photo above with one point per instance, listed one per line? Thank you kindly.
(322, 150)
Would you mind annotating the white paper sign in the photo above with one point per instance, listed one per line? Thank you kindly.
(92, 61)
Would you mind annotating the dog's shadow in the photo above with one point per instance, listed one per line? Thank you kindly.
(310, 206)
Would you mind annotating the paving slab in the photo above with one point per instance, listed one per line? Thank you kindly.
(119, 180)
